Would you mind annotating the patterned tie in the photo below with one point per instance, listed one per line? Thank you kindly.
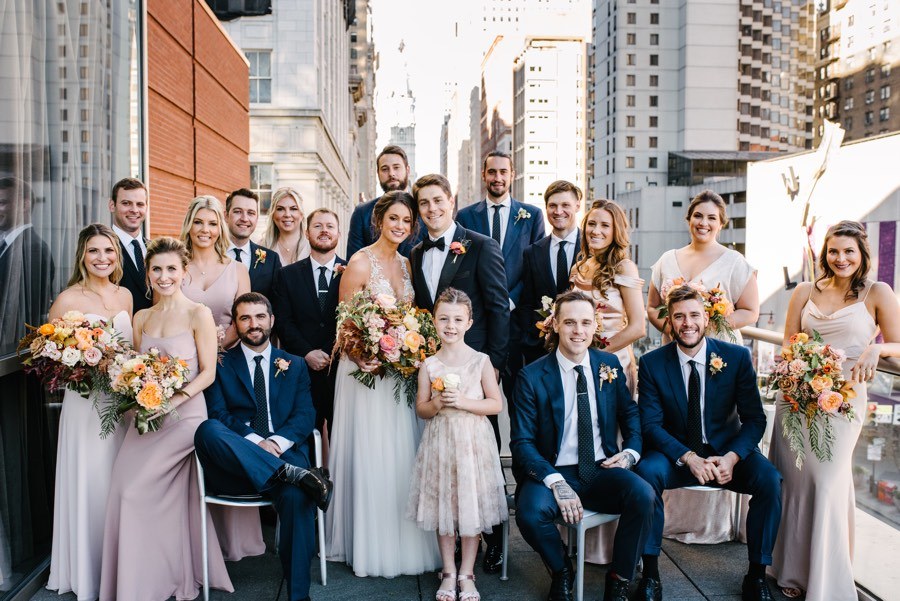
(562, 268)
(138, 258)
(695, 420)
(587, 460)
(323, 288)
(237, 254)
(260, 421)
(495, 228)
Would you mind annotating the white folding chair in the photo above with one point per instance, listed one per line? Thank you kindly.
(251, 501)
(511, 505)
(591, 519)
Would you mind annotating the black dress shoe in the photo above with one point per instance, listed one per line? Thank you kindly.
(309, 481)
(561, 588)
(615, 590)
(756, 589)
(649, 589)
(492, 560)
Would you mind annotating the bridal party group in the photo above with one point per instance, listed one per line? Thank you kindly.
(401, 353)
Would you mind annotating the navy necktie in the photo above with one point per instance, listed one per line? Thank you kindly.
(138, 258)
(260, 422)
(237, 255)
(562, 268)
(323, 288)
(695, 420)
(587, 460)
(495, 229)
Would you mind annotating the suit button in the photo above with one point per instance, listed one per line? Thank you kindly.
(321, 325)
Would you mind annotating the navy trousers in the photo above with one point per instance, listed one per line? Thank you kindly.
(615, 490)
(753, 475)
(234, 465)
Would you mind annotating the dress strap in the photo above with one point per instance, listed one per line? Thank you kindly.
(868, 289)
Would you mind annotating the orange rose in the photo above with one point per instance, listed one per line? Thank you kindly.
(801, 337)
(413, 341)
(47, 329)
(438, 384)
(83, 336)
(720, 308)
(830, 401)
(150, 396)
(821, 383)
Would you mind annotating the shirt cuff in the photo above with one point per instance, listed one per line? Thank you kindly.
(282, 442)
(634, 454)
(254, 438)
(552, 479)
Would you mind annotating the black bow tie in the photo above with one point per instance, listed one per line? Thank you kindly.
(428, 244)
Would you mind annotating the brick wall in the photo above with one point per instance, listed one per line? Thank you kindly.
(198, 110)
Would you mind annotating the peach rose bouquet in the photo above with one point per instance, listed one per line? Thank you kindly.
(144, 383)
(808, 374)
(70, 352)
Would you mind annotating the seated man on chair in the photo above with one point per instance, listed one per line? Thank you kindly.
(570, 405)
(257, 438)
(702, 420)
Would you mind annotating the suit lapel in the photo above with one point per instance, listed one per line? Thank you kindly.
(451, 262)
(711, 384)
(553, 381)
(512, 226)
(275, 389)
(601, 394)
(309, 283)
(252, 265)
(676, 380)
(482, 217)
(545, 269)
(239, 365)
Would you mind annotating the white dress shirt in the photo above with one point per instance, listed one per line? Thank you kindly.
(568, 448)
(329, 272)
(250, 355)
(433, 260)
(505, 207)
(700, 359)
(571, 242)
(245, 253)
(10, 236)
(127, 239)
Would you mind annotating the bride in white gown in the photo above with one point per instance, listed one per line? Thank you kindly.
(374, 437)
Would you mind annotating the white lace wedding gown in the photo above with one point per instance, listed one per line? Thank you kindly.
(373, 450)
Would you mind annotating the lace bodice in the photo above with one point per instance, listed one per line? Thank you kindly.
(380, 284)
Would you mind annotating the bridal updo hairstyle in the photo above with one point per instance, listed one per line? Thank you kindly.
(79, 273)
(849, 229)
(390, 199)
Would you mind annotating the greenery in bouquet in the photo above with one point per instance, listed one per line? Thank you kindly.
(715, 301)
(545, 326)
(398, 336)
(808, 375)
(70, 352)
(145, 383)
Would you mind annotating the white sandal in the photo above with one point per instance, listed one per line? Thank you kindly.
(444, 594)
(472, 595)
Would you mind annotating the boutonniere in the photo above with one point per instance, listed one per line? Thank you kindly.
(459, 247)
(260, 258)
(607, 374)
(716, 364)
(522, 214)
(339, 268)
(281, 366)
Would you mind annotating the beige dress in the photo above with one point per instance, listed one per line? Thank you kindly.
(814, 548)
(151, 543)
(457, 481)
(239, 528)
(698, 516)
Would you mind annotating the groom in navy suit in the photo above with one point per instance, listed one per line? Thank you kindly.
(257, 437)
(702, 420)
(570, 407)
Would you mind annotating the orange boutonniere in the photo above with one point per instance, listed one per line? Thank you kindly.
(281, 366)
(716, 364)
(459, 247)
(339, 268)
(260, 257)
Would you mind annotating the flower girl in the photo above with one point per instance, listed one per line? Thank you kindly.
(457, 485)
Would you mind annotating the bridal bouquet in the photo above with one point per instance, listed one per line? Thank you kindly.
(145, 382)
(398, 336)
(70, 351)
(715, 301)
(809, 377)
(545, 326)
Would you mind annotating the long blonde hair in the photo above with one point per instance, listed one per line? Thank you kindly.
(270, 238)
(212, 203)
(608, 259)
(79, 273)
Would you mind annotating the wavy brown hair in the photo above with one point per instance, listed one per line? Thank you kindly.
(610, 257)
(849, 229)
(79, 273)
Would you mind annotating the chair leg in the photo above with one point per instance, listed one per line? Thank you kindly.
(579, 570)
(503, 573)
(323, 565)
(204, 546)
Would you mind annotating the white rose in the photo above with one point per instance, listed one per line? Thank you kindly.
(92, 356)
(546, 303)
(71, 356)
(451, 381)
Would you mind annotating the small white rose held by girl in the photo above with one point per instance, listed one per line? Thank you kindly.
(451, 381)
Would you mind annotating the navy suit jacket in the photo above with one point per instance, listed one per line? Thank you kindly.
(231, 400)
(537, 422)
(133, 281)
(262, 274)
(733, 414)
(362, 231)
(520, 234)
(301, 323)
(478, 273)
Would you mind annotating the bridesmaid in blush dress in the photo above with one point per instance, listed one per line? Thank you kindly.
(151, 546)
(697, 516)
(814, 549)
(604, 271)
(215, 280)
(84, 461)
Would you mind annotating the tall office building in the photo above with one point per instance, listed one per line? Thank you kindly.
(717, 75)
(857, 74)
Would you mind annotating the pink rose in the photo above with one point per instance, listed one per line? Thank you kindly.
(92, 356)
(830, 401)
(388, 344)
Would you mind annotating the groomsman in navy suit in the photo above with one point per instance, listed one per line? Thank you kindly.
(128, 205)
(571, 406)
(515, 226)
(393, 174)
(257, 437)
(241, 216)
(702, 420)
(547, 263)
(305, 300)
